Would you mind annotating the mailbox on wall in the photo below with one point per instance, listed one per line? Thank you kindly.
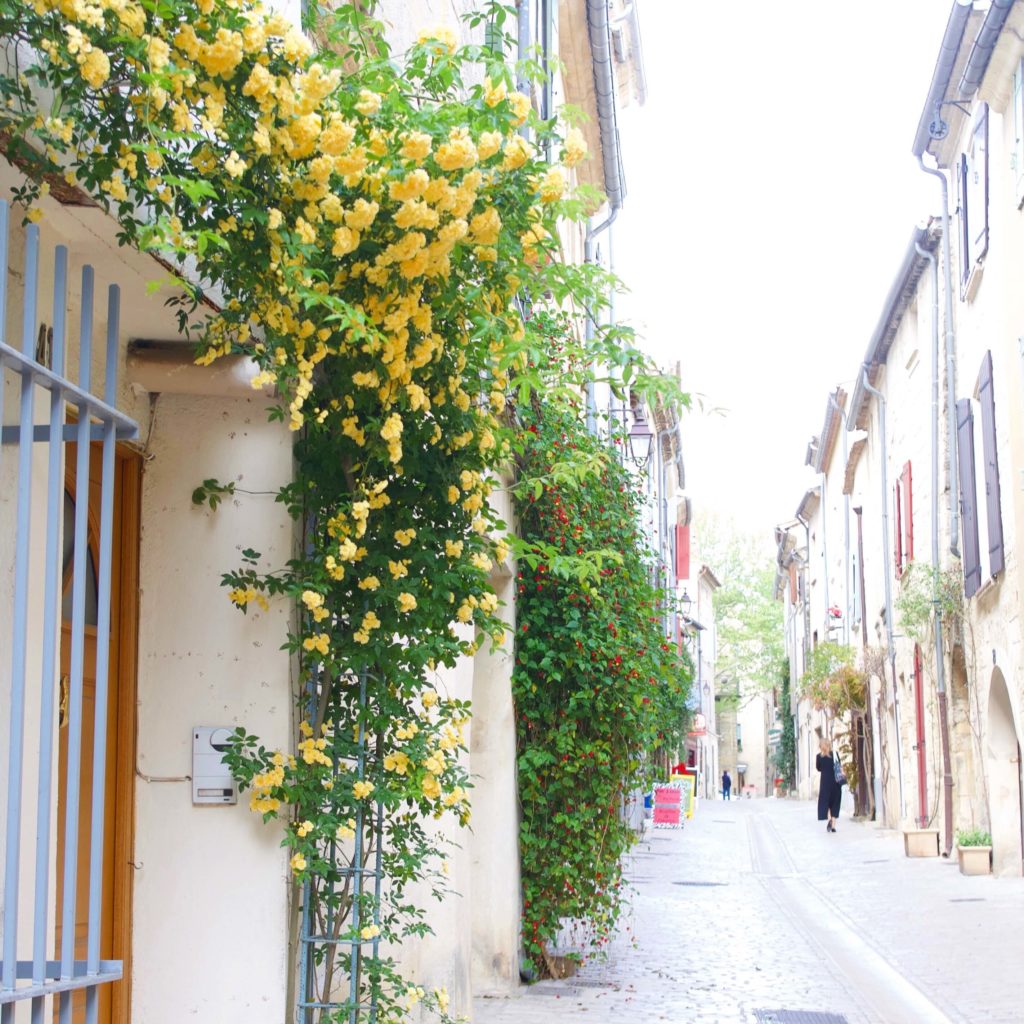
(211, 778)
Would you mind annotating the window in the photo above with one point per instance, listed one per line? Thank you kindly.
(682, 552)
(1018, 133)
(904, 519)
(972, 184)
(982, 537)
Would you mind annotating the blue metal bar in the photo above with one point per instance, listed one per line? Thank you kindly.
(99, 756)
(88, 404)
(357, 861)
(110, 970)
(50, 640)
(378, 879)
(3, 298)
(74, 755)
(41, 432)
(4, 220)
(12, 847)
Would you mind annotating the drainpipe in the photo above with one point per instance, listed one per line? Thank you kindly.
(599, 32)
(940, 660)
(947, 261)
(848, 613)
(886, 569)
(522, 43)
(824, 551)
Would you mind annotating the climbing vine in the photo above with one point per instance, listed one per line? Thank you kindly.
(364, 226)
(925, 591)
(597, 687)
(786, 757)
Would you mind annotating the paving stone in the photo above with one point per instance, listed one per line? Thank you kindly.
(716, 933)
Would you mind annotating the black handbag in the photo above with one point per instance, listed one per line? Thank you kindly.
(838, 769)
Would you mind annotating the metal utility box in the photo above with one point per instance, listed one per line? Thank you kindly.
(211, 778)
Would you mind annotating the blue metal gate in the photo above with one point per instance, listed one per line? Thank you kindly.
(27, 973)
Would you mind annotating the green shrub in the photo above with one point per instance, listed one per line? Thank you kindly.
(973, 837)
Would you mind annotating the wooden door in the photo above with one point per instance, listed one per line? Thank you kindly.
(115, 932)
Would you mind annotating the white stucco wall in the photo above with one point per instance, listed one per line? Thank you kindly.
(210, 883)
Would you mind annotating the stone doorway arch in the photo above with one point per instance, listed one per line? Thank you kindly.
(1003, 767)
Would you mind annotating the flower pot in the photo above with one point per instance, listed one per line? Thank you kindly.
(975, 860)
(921, 842)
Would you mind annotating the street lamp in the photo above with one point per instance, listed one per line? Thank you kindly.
(641, 440)
(686, 603)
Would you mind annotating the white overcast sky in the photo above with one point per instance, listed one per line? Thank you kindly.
(771, 193)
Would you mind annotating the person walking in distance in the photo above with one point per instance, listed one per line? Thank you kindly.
(830, 791)
(726, 785)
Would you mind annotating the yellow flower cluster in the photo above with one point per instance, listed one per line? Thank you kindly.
(362, 789)
(369, 624)
(240, 598)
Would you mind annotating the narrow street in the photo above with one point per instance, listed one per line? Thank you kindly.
(753, 908)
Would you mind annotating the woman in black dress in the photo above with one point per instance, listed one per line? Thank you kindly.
(830, 792)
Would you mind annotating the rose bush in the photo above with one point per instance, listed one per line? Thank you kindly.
(598, 687)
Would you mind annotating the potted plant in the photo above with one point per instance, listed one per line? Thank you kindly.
(974, 850)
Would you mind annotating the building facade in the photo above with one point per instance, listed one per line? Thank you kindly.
(914, 544)
(198, 910)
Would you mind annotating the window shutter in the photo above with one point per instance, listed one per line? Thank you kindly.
(978, 181)
(986, 399)
(965, 247)
(907, 485)
(682, 552)
(792, 583)
(1018, 132)
(968, 501)
(898, 529)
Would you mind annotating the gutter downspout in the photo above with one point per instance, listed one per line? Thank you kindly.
(886, 567)
(940, 660)
(951, 444)
(847, 615)
(824, 551)
(599, 31)
(522, 43)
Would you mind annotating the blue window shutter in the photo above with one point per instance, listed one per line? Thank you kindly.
(965, 245)
(986, 399)
(968, 499)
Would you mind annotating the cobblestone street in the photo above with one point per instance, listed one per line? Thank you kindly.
(753, 908)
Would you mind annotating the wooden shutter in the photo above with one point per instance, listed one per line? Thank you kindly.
(978, 187)
(986, 399)
(965, 246)
(898, 529)
(968, 500)
(1018, 133)
(682, 552)
(792, 583)
(907, 487)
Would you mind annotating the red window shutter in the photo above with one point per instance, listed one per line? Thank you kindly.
(792, 583)
(907, 484)
(682, 552)
(898, 531)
